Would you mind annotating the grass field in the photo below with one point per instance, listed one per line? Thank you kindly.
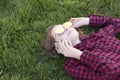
(22, 27)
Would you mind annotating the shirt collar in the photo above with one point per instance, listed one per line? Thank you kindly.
(84, 40)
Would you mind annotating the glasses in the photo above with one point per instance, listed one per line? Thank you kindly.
(67, 25)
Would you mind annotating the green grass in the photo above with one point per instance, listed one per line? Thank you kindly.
(22, 27)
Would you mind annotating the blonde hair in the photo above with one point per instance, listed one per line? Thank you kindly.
(48, 42)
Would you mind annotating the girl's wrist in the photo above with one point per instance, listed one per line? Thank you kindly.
(87, 21)
(78, 55)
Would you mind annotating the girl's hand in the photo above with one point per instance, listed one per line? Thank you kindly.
(78, 22)
(64, 47)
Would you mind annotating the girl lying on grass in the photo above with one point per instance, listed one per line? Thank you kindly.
(95, 56)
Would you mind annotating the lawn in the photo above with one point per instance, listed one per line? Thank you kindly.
(22, 28)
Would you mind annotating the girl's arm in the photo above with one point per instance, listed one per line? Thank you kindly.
(103, 67)
(92, 67)
(109, 26)
(93, 20)
(100, 21)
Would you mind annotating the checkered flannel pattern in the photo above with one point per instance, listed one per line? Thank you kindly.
(101, 52)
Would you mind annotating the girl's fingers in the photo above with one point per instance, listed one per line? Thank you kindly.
(56, 47)
(73, 20)
(62, 47)
(70, 43)
(67, 44)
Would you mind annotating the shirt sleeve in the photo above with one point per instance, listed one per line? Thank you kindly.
(109, 26)
(92, 67)
(99, 21)
(81, 71)
(105, 67)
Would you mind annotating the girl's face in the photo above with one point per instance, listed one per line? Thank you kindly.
(59, 32)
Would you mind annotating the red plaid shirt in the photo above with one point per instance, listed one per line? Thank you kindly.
(101, 52)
